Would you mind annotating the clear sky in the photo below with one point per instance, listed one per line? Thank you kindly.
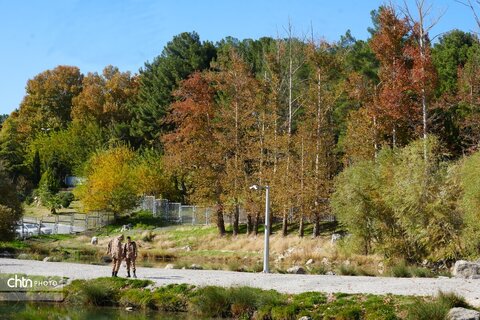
(90, 34)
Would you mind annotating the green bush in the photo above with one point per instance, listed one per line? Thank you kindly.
(347, 270)
(287, 312)
(172, 298)
(401, 270)
(421, 272)
(211, 302)
(427, 310)
(452, 300)
(66, 199)
(138, 298)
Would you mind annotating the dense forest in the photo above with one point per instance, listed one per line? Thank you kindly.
(384, 133)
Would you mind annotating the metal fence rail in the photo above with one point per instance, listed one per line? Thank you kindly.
(65, 223)
(176, 213)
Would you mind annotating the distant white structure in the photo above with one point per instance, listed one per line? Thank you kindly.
(72, 181)
(126, 227)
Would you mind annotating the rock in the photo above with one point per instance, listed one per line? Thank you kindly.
(296, 270)
(46, 259)
(6, 254)
(309, 262)
(336, 237)
(463, 314)
(330, 273)
(106, 259)
(331, 298)
(196, 267)
(467, 270)
(170, 266)
(23, 256)
(305, 318)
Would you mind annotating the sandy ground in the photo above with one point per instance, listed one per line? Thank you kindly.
(288, 283)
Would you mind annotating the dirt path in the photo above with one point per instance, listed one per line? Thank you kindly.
(470, 289)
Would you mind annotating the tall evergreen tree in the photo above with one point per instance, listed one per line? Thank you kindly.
(158, 79)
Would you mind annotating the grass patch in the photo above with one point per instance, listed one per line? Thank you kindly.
(253, 303)
(401, 270)
(13, 246)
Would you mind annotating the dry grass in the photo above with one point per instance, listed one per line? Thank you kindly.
(184, 246)
(41, 211)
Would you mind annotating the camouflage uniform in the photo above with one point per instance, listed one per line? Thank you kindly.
(130, 255)
(115, 250)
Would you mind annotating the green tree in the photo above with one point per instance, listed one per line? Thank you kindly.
(392, 207)
(448, 55)
(469, 170)
(158, 80)
(10, 207)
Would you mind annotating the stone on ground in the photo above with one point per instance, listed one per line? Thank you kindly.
(463, 314)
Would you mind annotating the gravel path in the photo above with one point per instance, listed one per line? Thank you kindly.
(468, 288)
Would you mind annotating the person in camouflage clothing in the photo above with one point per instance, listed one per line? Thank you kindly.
(130, 255)
(115, 250)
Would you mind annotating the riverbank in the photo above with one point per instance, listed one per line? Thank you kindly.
(141, 296)
(284, 283)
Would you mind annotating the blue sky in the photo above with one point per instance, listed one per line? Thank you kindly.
(90, 34)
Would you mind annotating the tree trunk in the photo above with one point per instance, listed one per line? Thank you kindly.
(301, 227)
(285, 223)
(220, 220)
(257, 223)
(316, 226)
(249, 224)
(236, 216)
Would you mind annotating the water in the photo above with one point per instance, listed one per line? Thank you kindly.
(52, 311)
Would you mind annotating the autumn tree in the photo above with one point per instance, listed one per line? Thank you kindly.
(48, 101)
(423, 71)
(152, 176)
(106, 99)
(195, 145)
(237, 105)
(110, 183)
(398, 117)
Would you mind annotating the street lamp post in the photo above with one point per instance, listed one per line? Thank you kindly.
(266, 249)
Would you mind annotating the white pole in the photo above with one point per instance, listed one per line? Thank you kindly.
(267, 230)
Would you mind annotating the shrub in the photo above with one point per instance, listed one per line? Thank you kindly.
(427, 310)
(139, 298)
(452, 300)
(172, 298)
(147, 236)
(66, 199)
(421, 272)
(347, 270)
(401, 270)
(211, 302)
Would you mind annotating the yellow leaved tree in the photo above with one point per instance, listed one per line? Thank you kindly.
(111, 183)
